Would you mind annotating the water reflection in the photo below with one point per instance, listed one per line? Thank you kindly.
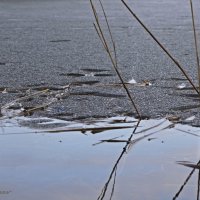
(130, 143)
(188, 178)
(113, 164)
(114, 170)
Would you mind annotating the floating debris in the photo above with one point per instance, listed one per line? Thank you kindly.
(113, 141)
(132, 81)
(189, 164)
(145, 83)
(4, 91)
(29, 112)
(181, 86)
(153, 138)
(190, 118)
(90, 74)
(93, 130)
(142, 84)
(173, 118)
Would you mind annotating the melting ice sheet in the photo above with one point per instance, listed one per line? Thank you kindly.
(38, 164)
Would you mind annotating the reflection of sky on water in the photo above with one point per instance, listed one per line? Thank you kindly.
(151, 171)
(67, 165)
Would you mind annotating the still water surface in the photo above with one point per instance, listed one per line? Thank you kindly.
(38, 164)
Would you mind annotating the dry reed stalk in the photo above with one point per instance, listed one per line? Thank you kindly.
(104, 42)
(195, 40)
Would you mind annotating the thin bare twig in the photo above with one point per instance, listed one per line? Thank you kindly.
(99, 35)
(110, 33)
